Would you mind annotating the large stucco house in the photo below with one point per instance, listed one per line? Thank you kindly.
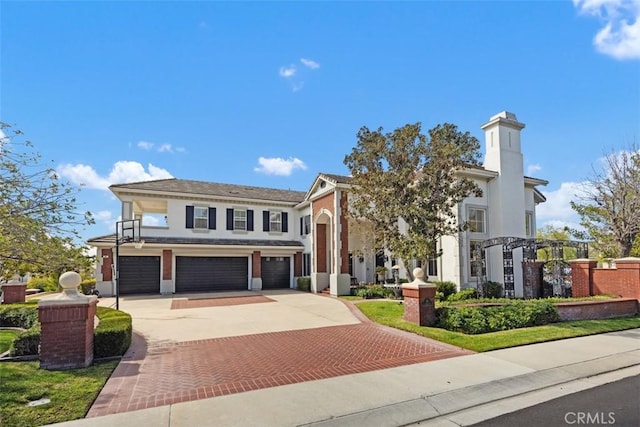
(204, 236)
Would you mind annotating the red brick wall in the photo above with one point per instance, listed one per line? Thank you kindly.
(324, 202)
(14, 293)
(321, 248)
(585, 310)
(66, 337)
(107, 263)
(167, 264)
(256, 264)
(624, 280)
(297, 264)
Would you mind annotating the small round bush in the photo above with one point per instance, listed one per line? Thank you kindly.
(445, 289)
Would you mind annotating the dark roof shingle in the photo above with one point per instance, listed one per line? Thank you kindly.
(185, 186)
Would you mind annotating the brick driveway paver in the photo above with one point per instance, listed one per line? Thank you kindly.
(167, 373)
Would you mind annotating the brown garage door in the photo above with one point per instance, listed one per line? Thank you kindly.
(139, 275)
(202, 274)
(276, 272)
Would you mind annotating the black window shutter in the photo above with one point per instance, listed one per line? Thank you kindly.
(265, 221)
(301, 227)
(212, 218)
(249, 220)
(229, 219)
(285, 222)
(189, 216)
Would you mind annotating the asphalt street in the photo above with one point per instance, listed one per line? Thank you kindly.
(614, 404)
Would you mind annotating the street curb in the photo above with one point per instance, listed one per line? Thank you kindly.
(428, 407)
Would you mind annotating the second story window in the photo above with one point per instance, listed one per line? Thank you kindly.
(239, 219)
(476, 220)
(275, 221)
(305, 225)
(200, 217)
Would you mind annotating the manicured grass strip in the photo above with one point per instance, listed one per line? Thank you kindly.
(390, 313)
(71, 392)
(6, 338)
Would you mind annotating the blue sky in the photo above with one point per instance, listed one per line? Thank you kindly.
(271, 93)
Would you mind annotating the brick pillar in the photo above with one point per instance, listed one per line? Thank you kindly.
(256, 264)
(532, 278)
(67, 320)
(167, 266)
(582, 277)
(14, 292)
(107, 265)
(66, 338)
(419, 300)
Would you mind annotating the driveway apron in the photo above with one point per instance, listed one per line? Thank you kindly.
(330, 339)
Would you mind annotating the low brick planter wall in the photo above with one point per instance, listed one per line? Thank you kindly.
(590, 310)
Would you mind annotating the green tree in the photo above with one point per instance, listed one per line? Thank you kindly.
(549, 232)
(407, 186)
(39, 221)
(609, 204)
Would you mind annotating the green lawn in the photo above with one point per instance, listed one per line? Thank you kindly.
(390, 313)
(71, 392)
(6, 338)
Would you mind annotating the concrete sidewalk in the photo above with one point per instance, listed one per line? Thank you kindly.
(457, 391)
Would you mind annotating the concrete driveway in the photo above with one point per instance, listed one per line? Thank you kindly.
(227, 314)
(190, 347)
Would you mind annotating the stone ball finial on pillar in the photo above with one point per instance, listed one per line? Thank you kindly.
(418, 275)
(69, 282)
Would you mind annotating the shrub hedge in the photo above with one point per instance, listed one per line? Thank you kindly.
(112, 336)
(465, 294)
(373, 291)
(87, 285)
(480, 320)
(18, 315)
(494, 290)
(304, 283)
(444, 290)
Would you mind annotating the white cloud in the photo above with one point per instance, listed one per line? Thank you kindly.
(105, 217)
(121, 172)
(279, 166)
(288, 72)
(145, 145)
(165, 148)
(620, 35)
(532, 169)
(309, 63)
(557, 208)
